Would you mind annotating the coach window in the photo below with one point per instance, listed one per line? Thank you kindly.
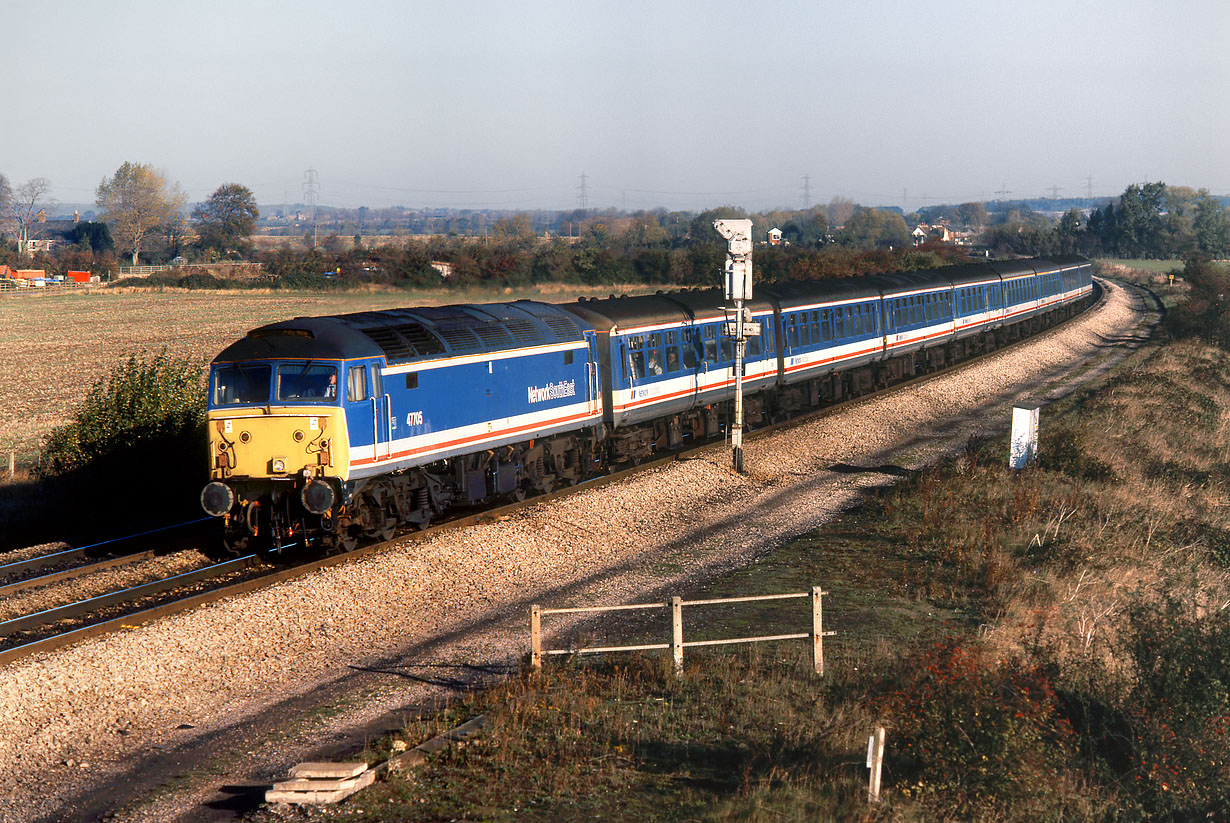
(672, 352)
(636, 356)
(711, 345)
(356, 384)
(654, 362)
(753, 346)
(690, 348)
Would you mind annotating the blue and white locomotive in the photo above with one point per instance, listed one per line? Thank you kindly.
(325, 430)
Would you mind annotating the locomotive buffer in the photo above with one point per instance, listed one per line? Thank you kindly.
(738, 234)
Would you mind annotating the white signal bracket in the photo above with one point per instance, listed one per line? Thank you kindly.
(738, 234)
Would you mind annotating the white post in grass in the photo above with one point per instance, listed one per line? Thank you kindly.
(1024, 448)
(875, 760)
(536, 636)
(677, 633)
(738, 234)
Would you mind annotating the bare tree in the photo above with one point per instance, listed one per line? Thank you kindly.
(840, 209)
(6, 200)
(135, 202)
(27, 206)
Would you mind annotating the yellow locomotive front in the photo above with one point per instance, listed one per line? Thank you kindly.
(277, 448)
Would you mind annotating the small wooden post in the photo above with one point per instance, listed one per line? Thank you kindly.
(875, 759)
(677, 633)
(12, 465)
(536, 636)
(817, 629)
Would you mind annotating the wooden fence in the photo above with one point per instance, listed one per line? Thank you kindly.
(678, 644)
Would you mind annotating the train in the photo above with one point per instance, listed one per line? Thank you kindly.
(327, 431)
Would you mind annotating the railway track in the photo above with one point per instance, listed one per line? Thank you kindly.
(45, 631)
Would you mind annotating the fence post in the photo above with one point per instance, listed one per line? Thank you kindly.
(536, 636)
(12, 465)
(817, 629)
(677, 633)
(875, 759)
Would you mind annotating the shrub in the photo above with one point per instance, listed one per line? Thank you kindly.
(975, 736)
(142, 405)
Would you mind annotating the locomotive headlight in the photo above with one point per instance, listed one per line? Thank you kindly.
(217, 499)
(278, 465)
(317, 496)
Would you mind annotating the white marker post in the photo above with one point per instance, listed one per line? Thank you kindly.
(1024, 448)
(738, 234)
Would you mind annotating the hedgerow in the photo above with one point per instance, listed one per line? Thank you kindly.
(144, 404)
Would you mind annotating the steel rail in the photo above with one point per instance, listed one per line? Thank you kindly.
(44, 560)
(263, 581)
(69, 574)
(127, 595)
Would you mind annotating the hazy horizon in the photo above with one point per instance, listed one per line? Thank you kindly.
(674, 105)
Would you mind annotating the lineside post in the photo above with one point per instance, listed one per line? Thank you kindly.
(875, 761)
(817, 629)
(738, 234)
(677, 633)
(536, 636)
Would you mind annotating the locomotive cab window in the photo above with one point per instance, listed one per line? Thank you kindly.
(307, 381)
(356, 384)
(241, 383)
(568, 358)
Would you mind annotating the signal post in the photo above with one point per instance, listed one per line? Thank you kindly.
(738, 234)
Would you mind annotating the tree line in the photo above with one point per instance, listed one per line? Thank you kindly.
(1149, 220)
(142, 212)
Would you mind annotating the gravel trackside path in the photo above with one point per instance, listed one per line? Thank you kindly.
(235, 692)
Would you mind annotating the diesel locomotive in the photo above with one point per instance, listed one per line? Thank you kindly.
(324, 431)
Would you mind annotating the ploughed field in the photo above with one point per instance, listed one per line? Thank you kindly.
(55, 347)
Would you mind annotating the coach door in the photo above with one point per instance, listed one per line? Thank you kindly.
(591, 374)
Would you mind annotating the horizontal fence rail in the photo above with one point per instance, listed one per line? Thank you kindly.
(678, 644)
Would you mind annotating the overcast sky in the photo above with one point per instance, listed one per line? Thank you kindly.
(676, 104)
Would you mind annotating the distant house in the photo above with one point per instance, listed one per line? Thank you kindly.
(937, 233)
(775, 236)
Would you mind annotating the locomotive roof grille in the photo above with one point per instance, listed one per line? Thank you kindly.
(404, 341)
(459, 338)
(424, 341)
(563, 327)
(523, 331)
(391, 343)
(493, 335)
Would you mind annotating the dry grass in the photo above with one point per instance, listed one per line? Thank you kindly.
(56, 346)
